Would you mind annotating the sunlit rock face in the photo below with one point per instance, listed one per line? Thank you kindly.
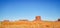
(37, 23)
(38, 18)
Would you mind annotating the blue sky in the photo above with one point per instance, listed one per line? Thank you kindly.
(28, 9)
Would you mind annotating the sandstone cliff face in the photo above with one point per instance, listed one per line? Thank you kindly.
(30, 24)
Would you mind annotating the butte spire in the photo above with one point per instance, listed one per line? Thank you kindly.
(38, 18)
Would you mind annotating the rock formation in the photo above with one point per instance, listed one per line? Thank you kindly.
(38, 18)
(58, 19)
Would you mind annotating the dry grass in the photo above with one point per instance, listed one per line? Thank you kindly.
(30, 25)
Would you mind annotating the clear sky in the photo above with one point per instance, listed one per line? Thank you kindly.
(28, 9)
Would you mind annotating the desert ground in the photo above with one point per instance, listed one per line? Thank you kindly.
(37, 23)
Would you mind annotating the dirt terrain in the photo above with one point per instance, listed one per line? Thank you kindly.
(37, 23)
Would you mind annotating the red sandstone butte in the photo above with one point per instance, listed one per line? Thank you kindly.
(38, 18)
